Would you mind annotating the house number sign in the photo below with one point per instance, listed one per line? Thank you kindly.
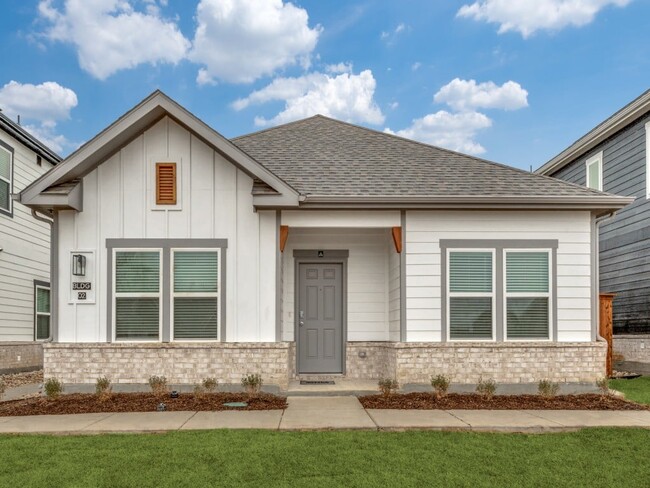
(81, 295)
(82, 266)
(81, 285)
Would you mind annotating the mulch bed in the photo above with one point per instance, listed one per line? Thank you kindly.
(456, 401)
(19, 379)
(137, 402)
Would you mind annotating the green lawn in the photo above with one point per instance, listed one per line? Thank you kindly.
(637, 390)
(594, 458)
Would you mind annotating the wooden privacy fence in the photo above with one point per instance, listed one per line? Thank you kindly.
(606, 326)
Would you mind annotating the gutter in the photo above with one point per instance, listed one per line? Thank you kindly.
(50, 219)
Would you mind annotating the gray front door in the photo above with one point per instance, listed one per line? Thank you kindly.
(320, 318)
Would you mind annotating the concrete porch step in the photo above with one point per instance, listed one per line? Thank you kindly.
(342, 387)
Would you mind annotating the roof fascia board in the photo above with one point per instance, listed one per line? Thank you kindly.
(618, 121)
(70, 201)
(274, 201)
(28, 140)
(149, 111)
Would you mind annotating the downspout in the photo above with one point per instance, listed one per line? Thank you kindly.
(50, 219)
(596, 275)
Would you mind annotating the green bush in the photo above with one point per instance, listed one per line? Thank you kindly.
(388, 386)
(210, 384)
(603, 385)
(158, 385)
(440, 384)
(103, 387)
(486, 388)
(53, 388)
(547, 388)
(252, 383)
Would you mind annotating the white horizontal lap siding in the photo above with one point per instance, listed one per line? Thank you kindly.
(393, 294)
(424, 230)
(25, 254)
(368, 278)
(215, 203)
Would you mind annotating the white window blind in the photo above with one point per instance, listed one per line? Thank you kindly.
(527, 295)
(42, 313)
(195, 294)
(471, 295)
(137, 295)
(5, 179)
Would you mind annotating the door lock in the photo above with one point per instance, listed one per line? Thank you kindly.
(302, 316)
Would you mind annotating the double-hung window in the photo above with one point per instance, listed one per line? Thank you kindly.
(195, 294)
(6, 178)
(137, 294)
(527, 295)
(42, 312)
(471, 294)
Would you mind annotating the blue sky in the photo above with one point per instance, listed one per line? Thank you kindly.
(511, 81)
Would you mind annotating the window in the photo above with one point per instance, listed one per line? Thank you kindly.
(137, 294)
(527, 295)
(42, 312)
(165, 183)
(595, 172)
(471, 295)
(195, 294)
(6, 178)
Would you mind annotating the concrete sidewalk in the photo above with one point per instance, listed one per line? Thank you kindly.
(328, 413)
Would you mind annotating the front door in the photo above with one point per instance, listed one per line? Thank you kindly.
(320, 318)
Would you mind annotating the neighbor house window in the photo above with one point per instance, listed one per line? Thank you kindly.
(471, 295)
(595, 172)
(42, 312)
(527, 295)
(195, 294)
(165, 183)
(6, 178)
(137, 294)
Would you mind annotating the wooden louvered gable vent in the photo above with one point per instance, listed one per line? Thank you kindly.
(165, 183)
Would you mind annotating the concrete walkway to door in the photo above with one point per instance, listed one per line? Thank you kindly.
(327, 413)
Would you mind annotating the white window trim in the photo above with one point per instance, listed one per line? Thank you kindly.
(647, 159)
(174, 294)
(595, 159)
(46, 314)
(9, 181)
(138, 295)
(471, 295)
(547, 294)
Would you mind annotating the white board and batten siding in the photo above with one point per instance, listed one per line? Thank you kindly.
(25, 254)
(424, 230)
(215, 202)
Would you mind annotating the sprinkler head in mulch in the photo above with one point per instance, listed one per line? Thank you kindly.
(173, 394)
(161, 407)
(236, 404)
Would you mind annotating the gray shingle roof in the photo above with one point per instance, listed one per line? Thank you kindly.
(323, 156)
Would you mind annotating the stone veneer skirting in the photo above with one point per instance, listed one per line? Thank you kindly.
(16, 357)
(409, 363)
(633, 347)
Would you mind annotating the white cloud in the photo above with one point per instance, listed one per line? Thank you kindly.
(390, 36)
(530, 16)
(241, 40)
(416, 66)
(449, 130)
(41, 106)
(469, 95)
(393, 105)
(110, 35)
(458, 130)
(339, 68)
(346, 96)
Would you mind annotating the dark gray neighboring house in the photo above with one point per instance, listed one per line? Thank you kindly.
(614, 157)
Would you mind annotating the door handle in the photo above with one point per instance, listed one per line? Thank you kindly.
(301, 323)
(302, 316)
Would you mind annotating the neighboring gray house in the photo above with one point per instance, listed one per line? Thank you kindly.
(24, 251)
(313, 248)
(614, 157)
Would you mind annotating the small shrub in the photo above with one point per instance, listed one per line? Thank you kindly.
(252, 383)
(388, 386)
(53, 388)
(547, 388)
(210, 384)
(486, 388)
(158, 385)
(103, 387)
(603, 385)
(440, 385)
(3, 388)
(199, 391)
